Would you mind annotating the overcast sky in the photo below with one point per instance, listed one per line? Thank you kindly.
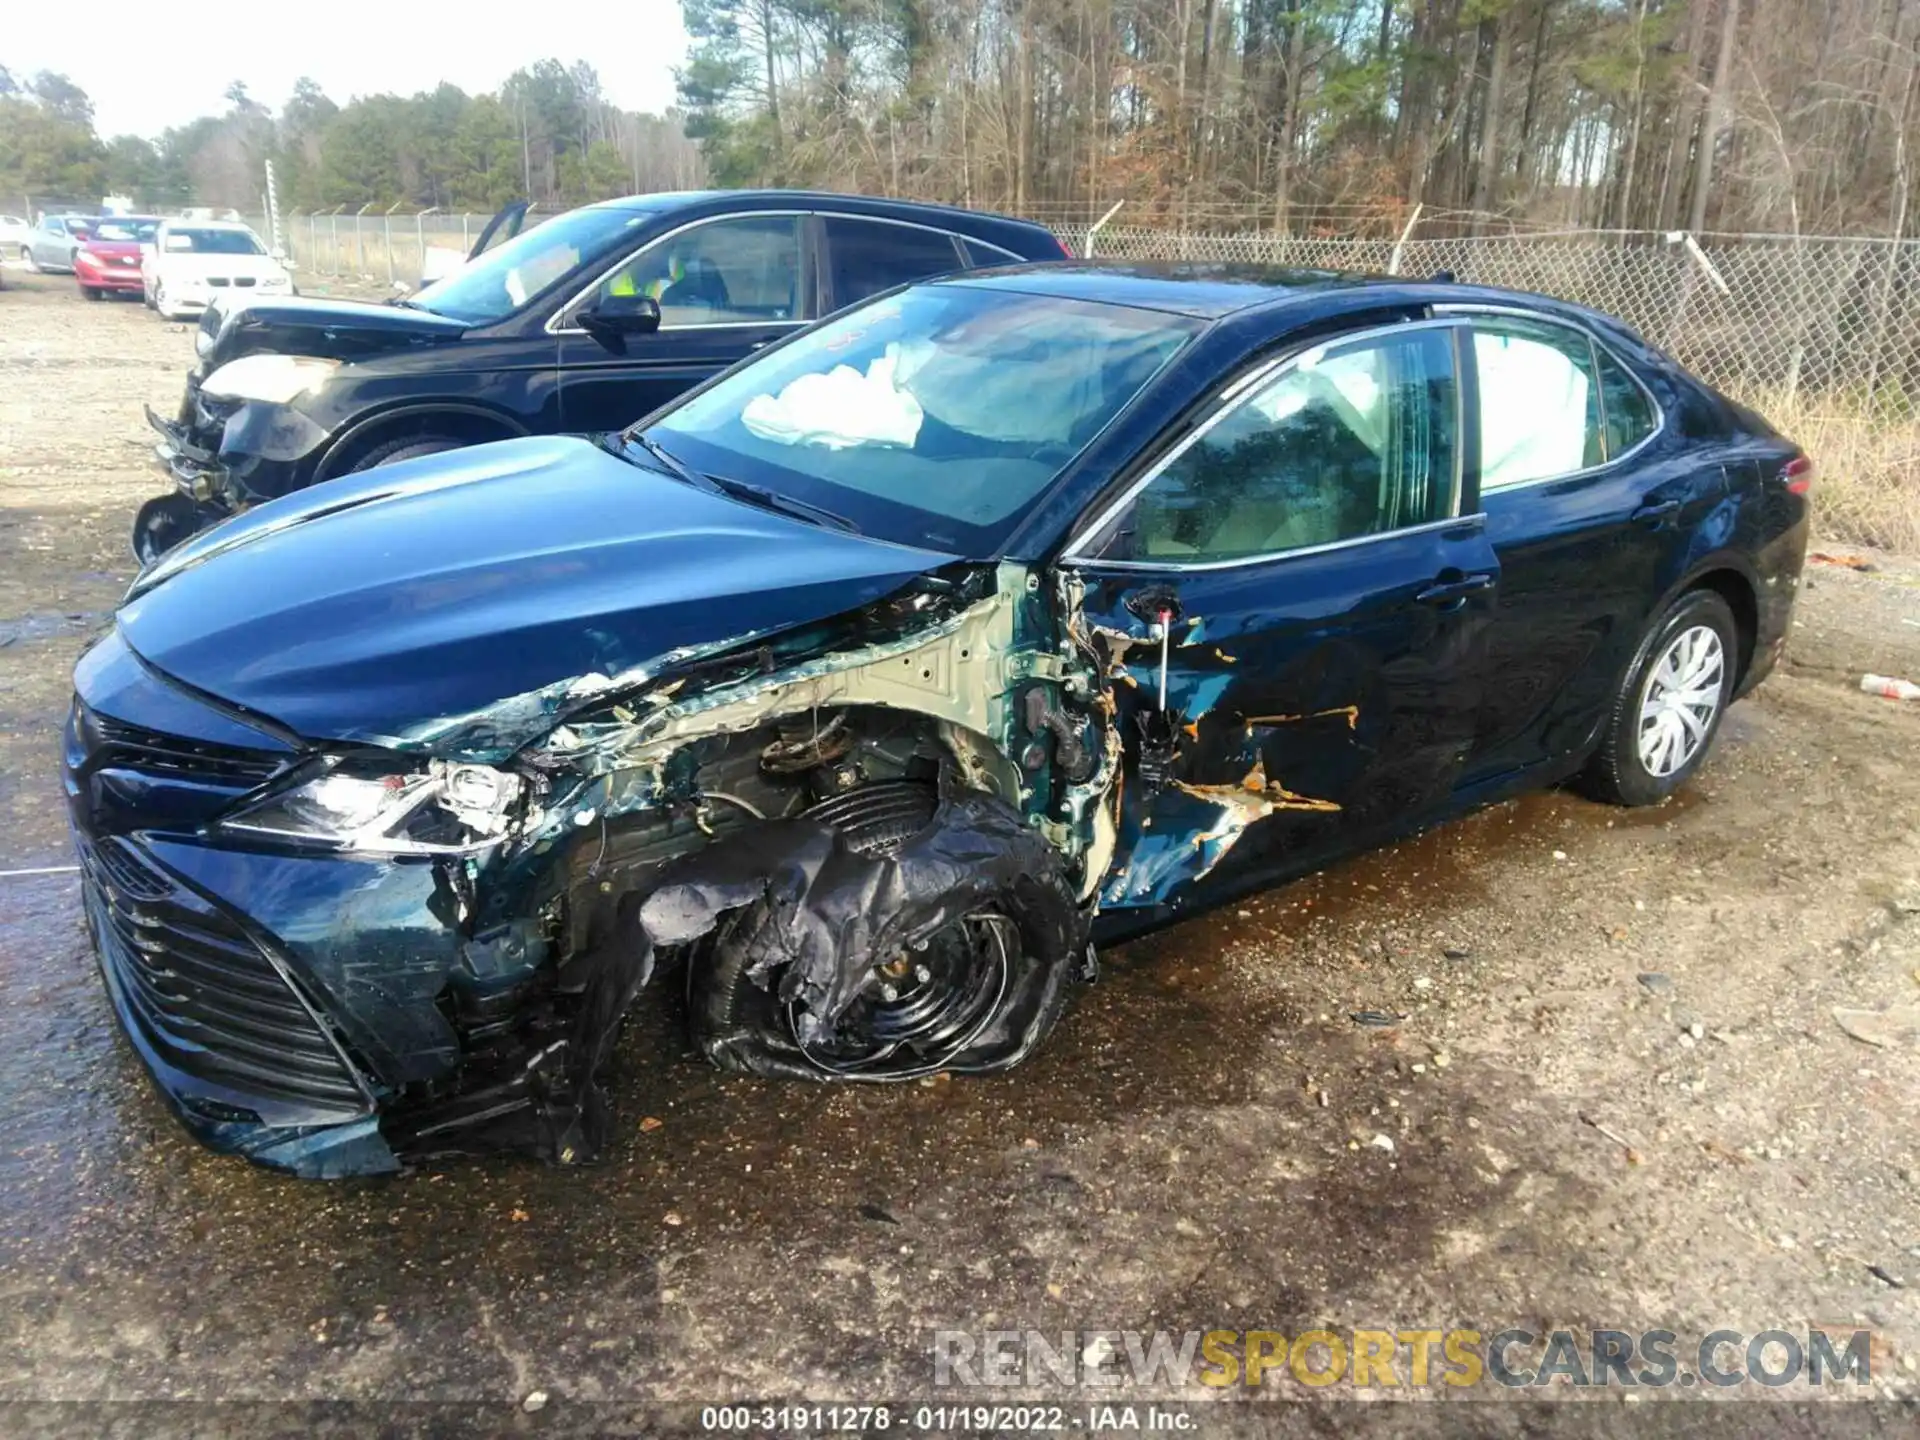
(634, 44)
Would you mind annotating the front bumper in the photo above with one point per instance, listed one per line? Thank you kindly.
(109, 277)
(222, 457)
(309, 1011)
(197, 295)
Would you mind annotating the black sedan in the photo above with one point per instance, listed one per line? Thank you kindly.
(864, 688)
(584, 323)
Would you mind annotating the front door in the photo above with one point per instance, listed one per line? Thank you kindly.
(1295, 610)
(726, 288)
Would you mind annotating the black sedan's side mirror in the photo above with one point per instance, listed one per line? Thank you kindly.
(612, 318)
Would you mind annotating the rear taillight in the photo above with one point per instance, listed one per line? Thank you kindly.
(1066, 250)
(1798, 474)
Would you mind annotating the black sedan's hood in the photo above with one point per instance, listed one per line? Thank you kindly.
(332, 329)
(456, 602)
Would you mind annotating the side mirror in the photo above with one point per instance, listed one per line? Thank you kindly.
(612, 318)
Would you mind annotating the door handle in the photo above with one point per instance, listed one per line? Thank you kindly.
(1657, 512)
(1450, 593)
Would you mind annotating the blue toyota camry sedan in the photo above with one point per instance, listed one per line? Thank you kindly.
(862, 690)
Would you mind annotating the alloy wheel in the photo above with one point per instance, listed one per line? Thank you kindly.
(1681, 699)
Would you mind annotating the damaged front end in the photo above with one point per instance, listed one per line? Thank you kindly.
(873, 840)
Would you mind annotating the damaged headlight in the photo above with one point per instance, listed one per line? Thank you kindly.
(357, 804)
(274, 379)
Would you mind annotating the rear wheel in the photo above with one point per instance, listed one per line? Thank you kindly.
(26, 259)
(411, 447)
(1669, 705)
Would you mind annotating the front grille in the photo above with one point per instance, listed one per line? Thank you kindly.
(206, 998)
(218, 280)
(116, 744)
(243, 280)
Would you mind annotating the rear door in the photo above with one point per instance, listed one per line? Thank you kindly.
(727, 287)
(1298, 610)
(1581, 510)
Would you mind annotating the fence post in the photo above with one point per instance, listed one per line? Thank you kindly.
(387, 226)
(1406, 233)
(1099, 225)
(420, 235)
(360, 241)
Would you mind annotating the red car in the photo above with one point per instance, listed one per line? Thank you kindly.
(109, 256)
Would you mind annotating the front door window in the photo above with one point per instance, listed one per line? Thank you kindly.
(744, 270)
(1347, 441)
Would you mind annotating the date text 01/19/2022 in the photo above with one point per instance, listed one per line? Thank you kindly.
(866, 1419)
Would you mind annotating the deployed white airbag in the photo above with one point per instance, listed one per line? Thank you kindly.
(839, 409)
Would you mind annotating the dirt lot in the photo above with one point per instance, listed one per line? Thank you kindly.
(1618, 1096)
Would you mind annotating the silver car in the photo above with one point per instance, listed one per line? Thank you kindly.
(50, 245)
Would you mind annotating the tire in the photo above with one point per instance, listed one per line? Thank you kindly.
(977, 994)
(1655, 740)
(89, 292)
(410, 448)
(26, 259)
(146, 296)
(162, 523)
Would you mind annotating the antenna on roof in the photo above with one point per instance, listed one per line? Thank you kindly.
(1443, 277)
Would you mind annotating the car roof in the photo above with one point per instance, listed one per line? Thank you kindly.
(207, 224)
(1214, 291)
(665, 202)
(1202, 290)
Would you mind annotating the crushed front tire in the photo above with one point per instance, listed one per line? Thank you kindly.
(765, 999)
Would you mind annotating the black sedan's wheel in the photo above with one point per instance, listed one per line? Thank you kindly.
(978, 993)
(1668, 708)
(411, 448)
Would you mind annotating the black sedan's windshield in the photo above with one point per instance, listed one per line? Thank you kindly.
(503, 279)
(935, 417)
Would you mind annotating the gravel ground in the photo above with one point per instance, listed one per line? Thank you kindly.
(1617, 1098)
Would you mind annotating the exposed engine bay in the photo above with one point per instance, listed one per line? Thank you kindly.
(872, 848)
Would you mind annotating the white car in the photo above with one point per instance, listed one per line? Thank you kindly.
(190, 264)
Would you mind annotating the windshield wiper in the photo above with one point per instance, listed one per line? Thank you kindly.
(739, 489)
(676, 466)
(786, 504)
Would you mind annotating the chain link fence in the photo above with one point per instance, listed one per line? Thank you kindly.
(1820, 334)
(1751, 315)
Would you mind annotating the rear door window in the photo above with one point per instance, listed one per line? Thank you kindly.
(865, 257)
(980, 254)
(1631, 416)
(1539, 402)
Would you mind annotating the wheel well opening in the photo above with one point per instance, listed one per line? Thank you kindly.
(1733, 587)
(465, 426)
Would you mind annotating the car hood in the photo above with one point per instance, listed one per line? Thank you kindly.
(456, 603)
(332, 329)
(112, 249)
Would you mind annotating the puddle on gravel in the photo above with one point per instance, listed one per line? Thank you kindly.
(42, 626)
